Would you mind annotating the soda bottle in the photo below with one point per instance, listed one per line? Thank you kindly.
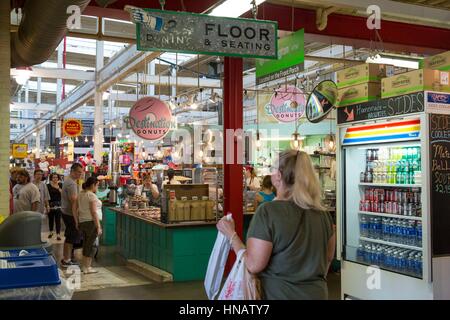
(363, 226)
(419, 234)
(360, 253)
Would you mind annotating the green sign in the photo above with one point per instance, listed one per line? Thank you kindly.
(162, 30)
(291, 58)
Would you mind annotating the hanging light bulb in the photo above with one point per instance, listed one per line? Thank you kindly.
(86, 139)
(258, 140)
(296, 141)
(76, 139)
(93, 139)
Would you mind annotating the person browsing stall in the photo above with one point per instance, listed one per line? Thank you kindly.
(54, 215)
(291, 241)
(69, 208)
(89, 211)
(266, 194)
(44, 206)
(26, 195)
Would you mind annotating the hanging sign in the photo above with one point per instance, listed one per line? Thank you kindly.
(288, 104)
(162, 30)
(19, 150)
(72, 128)
(388, 107)
(150, 119)
(291, 58)
(438, 102)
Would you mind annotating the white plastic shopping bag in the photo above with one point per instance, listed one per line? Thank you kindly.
(234, 287)
(216, 265)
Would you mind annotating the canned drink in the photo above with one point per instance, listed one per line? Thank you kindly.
(371, 194)
(405, 210)
(367, 206)
(394, 207)
(399, 209)
(361, 205)
(366, 195)
(381, 207)
(388, 207)
(410, 209)
(398, 195)
(375, 195)
(381, 195)
(404, 197)
(416, 197)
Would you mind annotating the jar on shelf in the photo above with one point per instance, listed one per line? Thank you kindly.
(186, 209)
(195, 208)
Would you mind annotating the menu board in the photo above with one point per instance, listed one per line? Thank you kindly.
(440, 183)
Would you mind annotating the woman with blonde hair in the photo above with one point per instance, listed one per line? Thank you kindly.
(291, 241)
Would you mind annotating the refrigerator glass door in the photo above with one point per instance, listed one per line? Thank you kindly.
(382, 206)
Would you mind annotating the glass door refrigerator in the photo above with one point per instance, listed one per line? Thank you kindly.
(383, 224)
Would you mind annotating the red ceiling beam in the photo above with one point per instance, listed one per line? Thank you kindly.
(352, 27)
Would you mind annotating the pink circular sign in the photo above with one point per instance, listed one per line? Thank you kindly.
(150, 118)
(288, 104)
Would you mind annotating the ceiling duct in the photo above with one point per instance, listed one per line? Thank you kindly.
(43, 25)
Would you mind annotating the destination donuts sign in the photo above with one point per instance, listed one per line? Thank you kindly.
(162, 30)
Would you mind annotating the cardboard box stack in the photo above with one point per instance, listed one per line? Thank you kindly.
(360, 83)
(438, 62)
(415, 81)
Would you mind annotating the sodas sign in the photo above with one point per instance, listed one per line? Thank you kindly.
(288, 104)
(150, 119)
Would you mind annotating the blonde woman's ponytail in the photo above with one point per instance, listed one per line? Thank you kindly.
(301, 180)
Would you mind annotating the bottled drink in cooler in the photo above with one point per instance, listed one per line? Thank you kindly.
(419, 234)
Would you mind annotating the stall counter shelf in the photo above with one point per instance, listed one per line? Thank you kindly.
(181, 249)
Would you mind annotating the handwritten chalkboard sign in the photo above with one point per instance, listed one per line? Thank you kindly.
(388, 107)
(440, 183)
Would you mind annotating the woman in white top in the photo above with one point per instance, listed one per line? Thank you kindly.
(171, 178)
(252, 180)
(89, 211)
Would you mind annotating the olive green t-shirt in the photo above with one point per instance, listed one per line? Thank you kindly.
(298, 264)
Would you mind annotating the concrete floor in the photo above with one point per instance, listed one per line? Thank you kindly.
(108, 258)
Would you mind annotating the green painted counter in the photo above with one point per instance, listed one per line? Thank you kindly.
(180, 249)
(109, 226)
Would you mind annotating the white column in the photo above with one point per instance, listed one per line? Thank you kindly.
(27, 86)
(5, 65)
(151, 71)
(98, 112)
(60, 65)
(38, 91)
(173, 89)
(38, 144)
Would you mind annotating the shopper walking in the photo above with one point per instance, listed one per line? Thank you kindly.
(89, 210)
(26, 194)
(69, 208)
(54, 215)
(291, 241)
(266, 194)
(43, 191)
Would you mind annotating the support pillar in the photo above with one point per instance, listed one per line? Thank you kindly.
(5, 96)
(233, 119)
(98, 111)
(152, 72)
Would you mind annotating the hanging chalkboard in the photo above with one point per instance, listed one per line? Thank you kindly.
(440, 183)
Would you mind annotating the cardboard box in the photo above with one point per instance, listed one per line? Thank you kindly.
(364, 73)
(415, 81)
(358, 94)
(438, 62)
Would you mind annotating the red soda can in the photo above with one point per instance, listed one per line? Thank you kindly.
(381, 195)
(371, 194)
(367, 206)
(394, 207)
(387, 207)
(375, 206)
(375, 195)
(366, 195)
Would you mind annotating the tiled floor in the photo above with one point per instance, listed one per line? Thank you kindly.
(115, 281)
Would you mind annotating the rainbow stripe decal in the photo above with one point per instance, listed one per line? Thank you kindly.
(384, 132)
